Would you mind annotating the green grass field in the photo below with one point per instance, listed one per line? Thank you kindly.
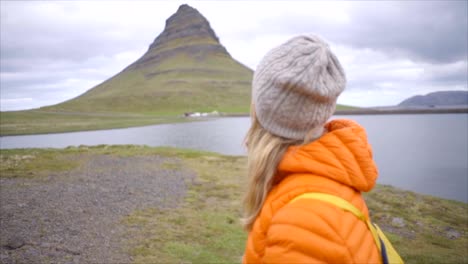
(41, 122)
(205, 227)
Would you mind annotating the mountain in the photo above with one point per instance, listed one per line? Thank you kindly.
(445, 98)
(185, 69)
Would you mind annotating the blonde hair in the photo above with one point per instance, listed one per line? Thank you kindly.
(265, 151)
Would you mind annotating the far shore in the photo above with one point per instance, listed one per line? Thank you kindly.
(387, 111)
(395, 110)
(35, 122)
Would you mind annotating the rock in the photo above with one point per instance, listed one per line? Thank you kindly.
(452, 233)
(186, 22)
(398, 222)
(46, 245)
(14, 242)
(187, 31)
(74, 232)
(5, 259)
(69, 251)
(32, 255)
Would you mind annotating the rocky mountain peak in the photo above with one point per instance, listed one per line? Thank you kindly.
(186, 23)
(188, 33)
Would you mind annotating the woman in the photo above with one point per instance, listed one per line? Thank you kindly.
(293, 151)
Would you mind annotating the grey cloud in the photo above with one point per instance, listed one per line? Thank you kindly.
(40, 54)
(40, 90)
(449, 74)
(51, 81)
(64, 44)
(28, 99)
(434, 35)
(42, 70)
(427, 31)
(74, 40)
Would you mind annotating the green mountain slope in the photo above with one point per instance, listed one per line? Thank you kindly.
(185, 69)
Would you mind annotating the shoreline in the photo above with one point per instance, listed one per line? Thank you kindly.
(396, 111)
(383, 111)
(57, 126)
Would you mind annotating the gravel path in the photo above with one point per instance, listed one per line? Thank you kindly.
(75, 217)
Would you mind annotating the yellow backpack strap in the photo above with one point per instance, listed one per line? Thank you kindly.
(392, 254)
(345, 205)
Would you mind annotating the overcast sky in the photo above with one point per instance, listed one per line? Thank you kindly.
(52, 51)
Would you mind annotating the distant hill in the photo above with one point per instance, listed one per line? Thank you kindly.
(185, 69)
(445, 98)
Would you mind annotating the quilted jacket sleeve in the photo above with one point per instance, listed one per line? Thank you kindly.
(303, 232)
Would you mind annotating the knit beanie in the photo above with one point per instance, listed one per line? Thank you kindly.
(295, 87)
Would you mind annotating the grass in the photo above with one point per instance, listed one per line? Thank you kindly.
(205, 227)
(40, 122)
(427, 222)
(33, 163)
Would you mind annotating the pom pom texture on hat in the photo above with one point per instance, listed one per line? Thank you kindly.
(295, 87)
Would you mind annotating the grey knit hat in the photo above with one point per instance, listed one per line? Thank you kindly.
(295, 87)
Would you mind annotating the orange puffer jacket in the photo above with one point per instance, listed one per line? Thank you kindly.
(312, 231)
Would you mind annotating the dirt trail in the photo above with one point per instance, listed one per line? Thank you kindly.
(75, 217)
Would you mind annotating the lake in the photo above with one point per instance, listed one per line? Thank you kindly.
(422, 153)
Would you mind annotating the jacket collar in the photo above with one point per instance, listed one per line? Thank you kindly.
(343, 154)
